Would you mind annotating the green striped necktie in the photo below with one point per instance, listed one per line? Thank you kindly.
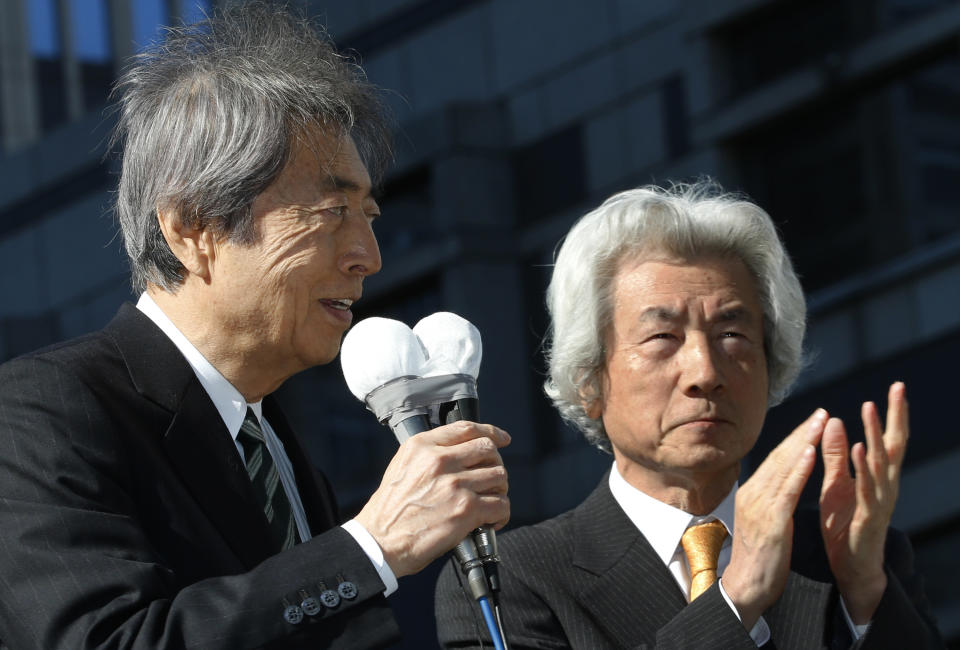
(265, 477)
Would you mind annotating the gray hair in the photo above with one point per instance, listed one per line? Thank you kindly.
(685, 221)
(208, 119)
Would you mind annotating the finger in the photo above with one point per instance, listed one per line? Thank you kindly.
(484, 480)
(865, 487)
(796, 479)
(812, 429)
(876, 453)
(459, 432)
(898, 425)
(490, 509)
(833, 448)
(784, 455)
(808, 433)
(451, 459)
(479, 452)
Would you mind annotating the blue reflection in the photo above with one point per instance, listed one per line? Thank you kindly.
(148, 18)
(44, 35)
(195, 11)
(90, 30)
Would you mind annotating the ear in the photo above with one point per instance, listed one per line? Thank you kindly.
(593, 408)
(591, 395)
(194, 248)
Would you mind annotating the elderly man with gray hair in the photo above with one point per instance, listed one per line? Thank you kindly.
(152, 494)
(677, 321)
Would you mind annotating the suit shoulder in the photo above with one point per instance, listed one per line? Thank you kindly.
(86, 359)
(549, 538)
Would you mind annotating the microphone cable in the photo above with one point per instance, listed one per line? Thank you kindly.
(488, 616)
(484, 597)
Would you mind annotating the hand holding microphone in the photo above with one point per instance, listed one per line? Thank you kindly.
(443, 482)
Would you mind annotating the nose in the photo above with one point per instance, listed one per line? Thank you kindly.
(362, 256)
(701, 375)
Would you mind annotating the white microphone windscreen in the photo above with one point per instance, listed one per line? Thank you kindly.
(378, 350)
(452, 342)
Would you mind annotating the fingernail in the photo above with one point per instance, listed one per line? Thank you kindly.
(819, 416)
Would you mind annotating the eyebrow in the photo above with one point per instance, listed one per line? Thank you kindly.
(660, 314)
(340, 183)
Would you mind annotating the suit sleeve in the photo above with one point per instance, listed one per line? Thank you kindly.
(903, 618)
(78, 570)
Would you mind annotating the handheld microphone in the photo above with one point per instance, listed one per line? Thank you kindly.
(413, 379)
(452, 341)
(381, 352)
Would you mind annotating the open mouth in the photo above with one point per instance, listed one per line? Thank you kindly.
(343, 304)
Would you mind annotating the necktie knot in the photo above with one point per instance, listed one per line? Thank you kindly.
(251, 427)
(702, 545)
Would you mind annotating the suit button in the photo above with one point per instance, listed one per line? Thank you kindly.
(347, 589)
(330, 598)
(293, 614)
(311, 606)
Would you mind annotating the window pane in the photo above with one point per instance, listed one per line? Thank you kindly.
(44, 33)
(194, 10)
(90, 29)
(148, 17)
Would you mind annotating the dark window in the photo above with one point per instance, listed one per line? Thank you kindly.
(549, 175)
(46, 47)
(93, 49)
(932, 104)
(676, 123)
(860, 179)
(407, 212)
(399, 24)
(552, 433)
(782, 37)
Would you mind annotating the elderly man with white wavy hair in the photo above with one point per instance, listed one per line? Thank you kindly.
(677, 321)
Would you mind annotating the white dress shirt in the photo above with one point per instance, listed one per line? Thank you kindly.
(663, 526)
(233, 409)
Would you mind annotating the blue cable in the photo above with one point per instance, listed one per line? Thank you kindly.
(491, 623)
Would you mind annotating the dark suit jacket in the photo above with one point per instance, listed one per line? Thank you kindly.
(127, 519)
(589, 579)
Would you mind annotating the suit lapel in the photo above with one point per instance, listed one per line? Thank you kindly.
(621, 567)
(195, 439)
(315, 494)
(205, 456)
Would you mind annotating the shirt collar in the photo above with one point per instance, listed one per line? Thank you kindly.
(225, 397)
(661, 524)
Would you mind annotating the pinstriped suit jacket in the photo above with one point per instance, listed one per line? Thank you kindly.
(127, 519)
(589, 579)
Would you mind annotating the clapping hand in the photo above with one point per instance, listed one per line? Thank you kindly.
(855, 511)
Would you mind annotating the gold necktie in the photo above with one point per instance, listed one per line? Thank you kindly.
(702, 545)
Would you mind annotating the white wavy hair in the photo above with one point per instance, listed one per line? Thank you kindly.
(687, 221)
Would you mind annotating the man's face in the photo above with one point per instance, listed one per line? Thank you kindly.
(285, 299)
(685, 383)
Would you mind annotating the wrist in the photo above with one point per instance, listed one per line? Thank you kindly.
(748, 605)
(862, 597)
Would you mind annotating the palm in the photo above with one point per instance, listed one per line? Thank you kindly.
(855, 511)
(838, 505)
